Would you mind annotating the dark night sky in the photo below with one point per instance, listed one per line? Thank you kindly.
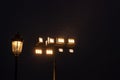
(89, 21)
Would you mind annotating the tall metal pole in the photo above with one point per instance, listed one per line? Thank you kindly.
(54, 67)
(16, 67)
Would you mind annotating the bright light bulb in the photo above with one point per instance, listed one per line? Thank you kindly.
(71, 51)
(38, 51)
(50, 40)
(60, 40)
(49, 51)
(60, 49)
(71, 41)
(40, 40)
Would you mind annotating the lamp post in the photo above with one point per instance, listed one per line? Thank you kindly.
(52, 46)
(17, 45)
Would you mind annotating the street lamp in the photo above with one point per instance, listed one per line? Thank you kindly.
(51, 45)
(17, 45)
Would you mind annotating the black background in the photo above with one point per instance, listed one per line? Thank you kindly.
(89, 21)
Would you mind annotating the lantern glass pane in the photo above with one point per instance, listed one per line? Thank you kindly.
(17, 47)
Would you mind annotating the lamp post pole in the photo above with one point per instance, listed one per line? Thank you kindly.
(54, 68)
(16, 67)
(17, 45)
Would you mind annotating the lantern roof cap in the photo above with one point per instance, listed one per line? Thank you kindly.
(17, 37)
